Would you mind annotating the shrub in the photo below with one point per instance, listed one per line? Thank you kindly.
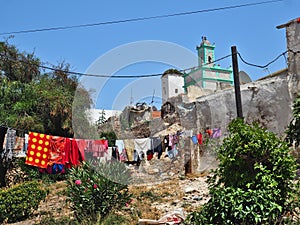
(19, 202)
(254, 181)
(97, 189)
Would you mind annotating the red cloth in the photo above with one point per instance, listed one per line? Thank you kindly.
(72, 154)
(57, 150)
(38, 151)
(199, 138)
(209, 132)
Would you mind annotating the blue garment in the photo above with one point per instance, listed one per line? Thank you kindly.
(194, 139)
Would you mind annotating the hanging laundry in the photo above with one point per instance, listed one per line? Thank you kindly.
(9, 144)
(194, 139)
(57, 150)
(199, 139)
(149, 154)
(173, 153)
(216, 133)
(115, 153)
(171, 143)
(73, 156)
(165, 143)
(123, 156)
(209, 132)
(38, 151)
(25, 143)
(120, 144)
(156, 145)
(19, 145)
(129, 146)
(142, 144)
(100, 148)
(53, 169)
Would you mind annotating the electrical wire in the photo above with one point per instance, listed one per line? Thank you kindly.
(138, 18)
(4, 57)
(259, 66)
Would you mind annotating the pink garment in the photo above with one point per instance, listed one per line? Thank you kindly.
(100, 147)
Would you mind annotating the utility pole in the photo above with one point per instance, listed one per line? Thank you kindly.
(236, 78)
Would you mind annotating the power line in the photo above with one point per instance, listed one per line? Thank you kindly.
(138, 18)
(4, 57)
(259, 66)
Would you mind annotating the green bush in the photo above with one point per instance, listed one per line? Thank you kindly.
(97, 189)
(254, 181)
(19, 202)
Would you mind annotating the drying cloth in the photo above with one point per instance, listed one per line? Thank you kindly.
(115, 153)
(120, 144)
(209, 132)
(38, 151)
(57, 150)
(216, 133)
(100, 148)
(9, 144)
(142, 144)
(72, 154)
(123, 156)
(129, 146)
(199, 138)
(194, 139)
(156, 145)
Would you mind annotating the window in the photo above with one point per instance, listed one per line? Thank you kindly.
(209, 59)
(176, 91)
(165, 92)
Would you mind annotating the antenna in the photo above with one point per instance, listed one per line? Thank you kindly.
(131, 98)
(152, 97)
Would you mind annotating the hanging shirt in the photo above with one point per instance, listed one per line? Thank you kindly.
(194, 139)
(9, 144)
(142, 145)
(199, 139)
(129, 146)
(38, 152)
(216, 133)
(156, 145)
(120, 144)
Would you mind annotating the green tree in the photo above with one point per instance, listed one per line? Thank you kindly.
(101, 120)
(36, 100)
(253, 183)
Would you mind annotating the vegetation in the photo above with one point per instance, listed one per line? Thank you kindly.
(293, 131)
(254, 181)
(19, 202)
(36, 100)
(96, 190)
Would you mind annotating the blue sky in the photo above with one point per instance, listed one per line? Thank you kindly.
(252, 29)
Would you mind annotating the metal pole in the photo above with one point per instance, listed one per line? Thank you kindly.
(235, 66)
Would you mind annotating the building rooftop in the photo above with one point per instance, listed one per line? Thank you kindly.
(297, 20)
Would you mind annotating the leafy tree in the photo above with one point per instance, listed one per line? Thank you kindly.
(253, 183)
(36, 100)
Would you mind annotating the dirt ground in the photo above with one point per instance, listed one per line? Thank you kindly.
(150, 201)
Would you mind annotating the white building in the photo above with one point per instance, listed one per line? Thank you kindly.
(172, 83)
(206, 78)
